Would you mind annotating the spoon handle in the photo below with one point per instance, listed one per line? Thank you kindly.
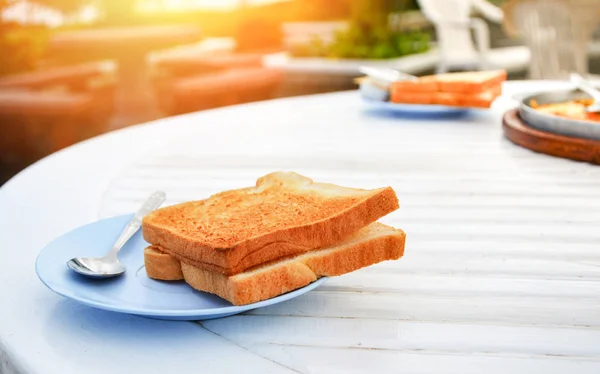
(153, 202)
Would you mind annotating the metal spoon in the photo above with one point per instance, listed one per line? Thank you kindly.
(109, 265)
(386, 75)
(587, 87)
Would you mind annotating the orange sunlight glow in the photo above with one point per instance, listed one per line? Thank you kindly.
(178, 5)
(29, 12)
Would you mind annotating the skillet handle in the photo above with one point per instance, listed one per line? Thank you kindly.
(585, 86)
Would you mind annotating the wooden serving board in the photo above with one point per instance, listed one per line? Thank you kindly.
(579, 149)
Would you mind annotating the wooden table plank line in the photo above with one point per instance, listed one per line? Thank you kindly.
(448, 353)
(247, 348)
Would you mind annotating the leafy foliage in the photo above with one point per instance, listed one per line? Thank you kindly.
(366, 42)
(369, 35)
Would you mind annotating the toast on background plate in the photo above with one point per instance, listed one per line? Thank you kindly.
(465, 89)
(413, 97)
(470, 82)
(426, 84)
(478, 100)
(254, 243)
(460, 82)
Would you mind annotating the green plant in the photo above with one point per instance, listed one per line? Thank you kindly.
(368, 35)
(366, 42)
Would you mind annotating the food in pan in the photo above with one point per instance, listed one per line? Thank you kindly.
(573, 109)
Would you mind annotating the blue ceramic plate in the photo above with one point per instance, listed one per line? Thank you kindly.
(132, 292)
(415, 109)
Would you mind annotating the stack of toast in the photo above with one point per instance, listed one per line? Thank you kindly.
(463, 89)
(256, 243)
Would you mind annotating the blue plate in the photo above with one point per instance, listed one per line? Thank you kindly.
(420, 110)
(132, 292)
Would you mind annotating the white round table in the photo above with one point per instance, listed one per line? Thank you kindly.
(501, 272)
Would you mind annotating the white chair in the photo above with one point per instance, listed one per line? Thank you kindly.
(458, 51)
(557, 32)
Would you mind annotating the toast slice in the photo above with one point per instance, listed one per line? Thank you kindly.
(284, 215)
(424, 84)
(160, 265)
(402, 97)
(471, 82)
(372, 244)
(478, 100)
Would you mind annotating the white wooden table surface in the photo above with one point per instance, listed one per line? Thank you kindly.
(501, 272)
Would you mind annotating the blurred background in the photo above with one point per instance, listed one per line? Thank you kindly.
(73, 69)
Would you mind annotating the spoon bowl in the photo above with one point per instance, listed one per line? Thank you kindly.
(109, 265)
(97, 267)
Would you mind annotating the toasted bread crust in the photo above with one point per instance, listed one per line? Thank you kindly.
(248, 290)
(482, 82)
(161, 266)
(459, 82)
(423, 85)
(288, 275)
(477, 100)
(418, 97)
(345, 216)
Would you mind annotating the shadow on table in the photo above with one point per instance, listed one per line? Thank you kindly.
(81, 333)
